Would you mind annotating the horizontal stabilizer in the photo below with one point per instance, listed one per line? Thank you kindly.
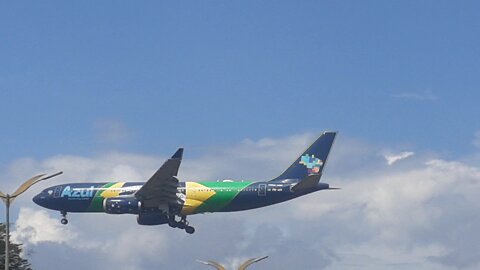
(310, 181)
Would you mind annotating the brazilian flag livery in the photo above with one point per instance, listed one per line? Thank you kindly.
(211, 196)
(163, 197)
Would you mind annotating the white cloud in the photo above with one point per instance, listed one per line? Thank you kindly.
(134, 245)
(383, 217)
(268, 158)
(406, 213)
(392, 158)
(35, 226)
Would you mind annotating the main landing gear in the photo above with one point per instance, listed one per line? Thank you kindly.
(182, 224)
(64, 220)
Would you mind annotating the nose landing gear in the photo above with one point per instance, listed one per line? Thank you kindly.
(64, 220)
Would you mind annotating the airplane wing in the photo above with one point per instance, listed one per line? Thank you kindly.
(161, 188)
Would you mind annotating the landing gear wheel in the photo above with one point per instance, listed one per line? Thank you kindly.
(189, 229)
(173, 224)
(181, 225)
(64, 220)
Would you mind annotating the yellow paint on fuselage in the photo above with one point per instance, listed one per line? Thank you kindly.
(113, 191)
(196, 195)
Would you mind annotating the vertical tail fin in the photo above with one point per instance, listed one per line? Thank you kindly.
(312, 161)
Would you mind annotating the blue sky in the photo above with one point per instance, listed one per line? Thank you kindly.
(195, 73)
(108, 89)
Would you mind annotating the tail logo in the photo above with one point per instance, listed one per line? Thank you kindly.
(312, 163)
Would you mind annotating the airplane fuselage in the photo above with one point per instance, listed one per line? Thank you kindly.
(196, 197)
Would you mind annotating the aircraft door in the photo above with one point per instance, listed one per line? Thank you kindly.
(262, 190)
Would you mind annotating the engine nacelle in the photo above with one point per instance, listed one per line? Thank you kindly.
(121, 205)
(152, 218)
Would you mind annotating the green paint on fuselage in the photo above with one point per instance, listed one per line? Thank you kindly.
(225, 192)
(97, 202)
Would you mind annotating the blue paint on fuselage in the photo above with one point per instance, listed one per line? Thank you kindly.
(75, 197)
(78, 197)
(275, 193)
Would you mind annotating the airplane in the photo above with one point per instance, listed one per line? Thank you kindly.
(163, 198)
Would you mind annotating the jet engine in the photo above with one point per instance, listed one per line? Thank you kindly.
(119, 205)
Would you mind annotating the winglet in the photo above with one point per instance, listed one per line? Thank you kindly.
(178, 154)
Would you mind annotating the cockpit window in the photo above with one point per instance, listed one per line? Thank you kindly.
(57, 192)
(50, 192)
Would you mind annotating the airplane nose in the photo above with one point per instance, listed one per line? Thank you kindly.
(39, 199)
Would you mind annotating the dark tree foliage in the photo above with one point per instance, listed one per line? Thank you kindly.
(16, 261)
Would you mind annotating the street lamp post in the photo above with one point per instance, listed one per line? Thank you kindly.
(8, 200)
(243, 266)
(214, 264)
(250, 262)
